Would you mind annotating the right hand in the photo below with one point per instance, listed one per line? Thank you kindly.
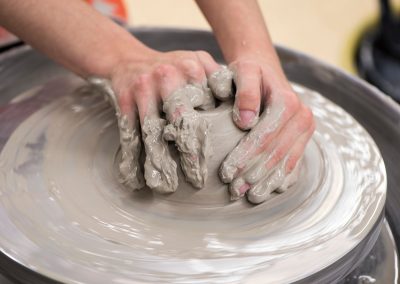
(266, 158)
(140, 88)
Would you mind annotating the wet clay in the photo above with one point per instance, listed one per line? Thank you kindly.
(191, 133)
(275, 180)
(159, 167)
(189, 130)
(129, 135)
(59, 165)
(220, 83)
(262, 181)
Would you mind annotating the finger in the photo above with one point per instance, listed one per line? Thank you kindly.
(187, 128)
(296, 130)
(208, 62)
(292, 161)
(193, 71)
(197, 89)
(259, 174)
(284, 175)
(172, 79)
(129, 132)
(262, 190)
(220, 78)
(246, 109)
(270, 124)
(200, 96)
(221, 83)
(298, 149)
(289, 140)
(255, 173)
(130, 171)
(190, 136)
(291, 178)
(160, 168)
(238, 187)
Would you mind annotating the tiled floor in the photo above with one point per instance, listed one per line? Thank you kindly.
(325, 29)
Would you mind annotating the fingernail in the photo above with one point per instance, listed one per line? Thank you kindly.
(247, 118)
(244, 188)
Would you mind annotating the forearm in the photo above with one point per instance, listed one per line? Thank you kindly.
(239, 28)
(72, 33)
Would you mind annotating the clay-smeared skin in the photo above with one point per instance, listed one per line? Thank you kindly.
(256, 176)
(220, 83)
(129, 135)
(130, 171)
(276, 180)
(189, 130)
(159, 168)
(191, 133)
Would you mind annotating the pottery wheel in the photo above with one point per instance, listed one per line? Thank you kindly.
(64, 214)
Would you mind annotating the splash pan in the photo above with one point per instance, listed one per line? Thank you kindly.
(64, 215)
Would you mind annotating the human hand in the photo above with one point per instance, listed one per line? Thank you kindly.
(177, 81)
(265, 159)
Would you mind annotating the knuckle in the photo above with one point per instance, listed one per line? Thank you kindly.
(165, 71)
(308, 116)
(292, 103)
(277, 156)
(142, 82)
(248, 95)
(305, 119)
(246, 66)
(185, 55)
(203, 54)
(191, 68)
(124, 98)
(248, 100)
(302, 125)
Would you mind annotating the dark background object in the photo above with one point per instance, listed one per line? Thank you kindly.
(378, 53)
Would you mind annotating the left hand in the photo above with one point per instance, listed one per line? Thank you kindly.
(280, 126)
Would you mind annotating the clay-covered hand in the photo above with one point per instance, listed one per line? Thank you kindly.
(280, 126)
(174, 83)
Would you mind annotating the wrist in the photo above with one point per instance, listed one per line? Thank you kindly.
(106, 61)
(264, 56)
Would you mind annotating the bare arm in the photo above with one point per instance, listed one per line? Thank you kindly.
(71, 33)
(240, 29)
(280, 132)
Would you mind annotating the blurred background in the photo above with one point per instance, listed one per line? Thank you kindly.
(331, 31)
(359, 36)
(325, 29)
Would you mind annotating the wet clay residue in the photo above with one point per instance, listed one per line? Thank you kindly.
(129, 135)
(159, 167)
(220, 83)
(190, 131)
(187, 126)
